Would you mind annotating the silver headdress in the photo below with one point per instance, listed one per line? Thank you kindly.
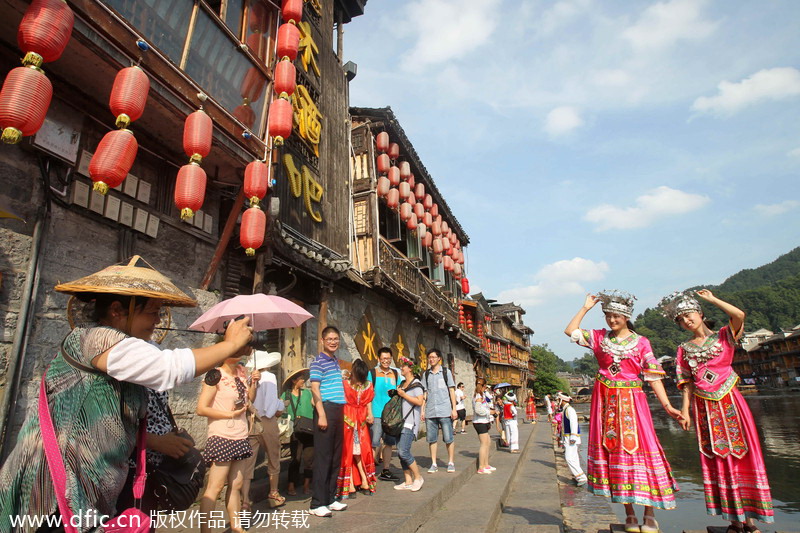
(679, 303)
(618, 302)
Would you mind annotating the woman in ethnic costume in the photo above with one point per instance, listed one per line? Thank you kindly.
(625, 459)
(358, 465)
(96, 392)
(734, 476)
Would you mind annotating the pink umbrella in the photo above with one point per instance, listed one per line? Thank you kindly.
(265, 312)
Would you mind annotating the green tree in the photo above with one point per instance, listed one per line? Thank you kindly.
(547, 365)
(587, 364)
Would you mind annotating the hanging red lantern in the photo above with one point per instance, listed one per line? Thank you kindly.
(256, 181)
(436, 228)
(393, 198)
(383, 164)
(383, 186)
(411, 182)
(405, 212)
(129, 95)
(382, 142)
(24, 100)
(292, 10)
(435, 209)
(285, 79)
(411, 200)
(394, 176)
(460, 257)
(113, 159)
(428, 202)
(252, 85)
(394, 151)
(280, 120)
(453, 239)
(437, 258)
(197, 136)
(427, 219)
(411, 223)
(446, 245)
(252, 230)
(427, 239)
(419, 191)
(465, 289)
(456, 270)
(44, 31)
(448, 263)
(445, 227)
(437, 245)
(421, 229)
(258, 45)
(288, 41)
(405, 170)
(405, 190)
(245, 114)
(190, 189)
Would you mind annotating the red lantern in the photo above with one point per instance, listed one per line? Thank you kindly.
(197, 136)
(382, 142)
(285, 79)
(252, 230)
(411, 199)
(427, 240)
(383, 186)
(411, 181)
(288, 41)
(428, 219)
(190, 189)
(453, 239)
(113, 159)
(405, 190)
(465, 289)
(44, 31)
(419, 191)
(394, 176)
(280, 120)
(411, 223)
(428, 202)
(437, 245)
(405, 170)
(437, 258)
(421, 229)
(448, 263)
(436, 228)
(394, 151)
(448, 248)
(258, 45)
(256, 181)
(419, 210)
(129, 95)
(24, 100)
(253, 85)
(457, 270)
(245, 114)
(393, 198)
(383, 164)
(435, 210)
(292, 10)
(445, 227)
(405, 212)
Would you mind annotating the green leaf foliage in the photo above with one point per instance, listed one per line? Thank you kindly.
(547, 365)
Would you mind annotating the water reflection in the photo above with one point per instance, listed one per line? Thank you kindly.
(777, 417)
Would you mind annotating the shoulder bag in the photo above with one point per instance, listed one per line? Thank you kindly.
(302, 424)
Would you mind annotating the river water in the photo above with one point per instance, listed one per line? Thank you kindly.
(777, 417)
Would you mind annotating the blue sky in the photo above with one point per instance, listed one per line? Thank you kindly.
(590, 144)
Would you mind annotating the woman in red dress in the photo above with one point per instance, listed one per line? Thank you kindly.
(530, 409)
(358, 464)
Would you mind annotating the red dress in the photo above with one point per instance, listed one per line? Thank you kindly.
(356, 431)
(530, 410)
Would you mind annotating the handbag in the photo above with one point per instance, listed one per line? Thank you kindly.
(301, 424)
(175, 483)
(130, 520)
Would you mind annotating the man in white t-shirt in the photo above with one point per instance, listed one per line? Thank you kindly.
(461, 409)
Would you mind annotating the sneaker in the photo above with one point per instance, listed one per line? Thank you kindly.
(484, 471)
(433, 469)
(491, 468)
(321, 511)
(386, 475)
(417, 484)
(402, 486)
(451, 468)
(337, 506)
(463, 431)
(581, 482)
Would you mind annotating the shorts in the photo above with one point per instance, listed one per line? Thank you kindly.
(462, 414)
(481, 427)
(376, 432)
(432, 426)
(221, 450)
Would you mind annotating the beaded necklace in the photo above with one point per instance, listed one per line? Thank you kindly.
(697, 355)
(619, 349)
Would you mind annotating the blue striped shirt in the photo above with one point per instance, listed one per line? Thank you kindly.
(325, 371)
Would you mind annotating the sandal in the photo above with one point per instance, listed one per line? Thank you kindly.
(632, 527)
(644, 528)
(291, 492)
(750, 529)
(733, 528)
(275, 499)
(245, 506)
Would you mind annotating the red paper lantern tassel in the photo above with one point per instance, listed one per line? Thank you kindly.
(280, 120)
(288, 41)
(197, 136)
(394, 151)
(465, 287)
(24, 100)
(113, 159)
(190, 189)
(256, 181)
(292, 11)
(285, 79)
(44, 31)
(254, 226)
(382, 142)
(129, 95)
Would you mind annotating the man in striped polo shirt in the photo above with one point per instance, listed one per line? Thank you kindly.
(328, 392)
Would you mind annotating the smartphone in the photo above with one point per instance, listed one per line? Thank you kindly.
(239, 403)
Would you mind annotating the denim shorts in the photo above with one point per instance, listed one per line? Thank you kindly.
(376, 432)
(432, 426)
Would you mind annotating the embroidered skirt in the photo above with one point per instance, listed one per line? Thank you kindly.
(220, 450)
(625, 459)
(734, 475)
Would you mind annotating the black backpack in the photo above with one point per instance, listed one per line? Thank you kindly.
(392, 419)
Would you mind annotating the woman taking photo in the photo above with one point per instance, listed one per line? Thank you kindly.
(300, 409)
(734, 476)
(625, 459)
(482, 420)
(410, 390)
(96, 391)
(358, 465)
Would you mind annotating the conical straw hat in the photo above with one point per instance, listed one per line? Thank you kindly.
(136, 278)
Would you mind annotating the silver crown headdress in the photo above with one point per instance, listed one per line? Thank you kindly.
(679, 303)
(618, 302)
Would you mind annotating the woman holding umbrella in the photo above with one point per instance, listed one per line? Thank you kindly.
(300, 409)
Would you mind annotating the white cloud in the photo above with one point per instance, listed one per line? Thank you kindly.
(562, 120)
(772, 210)
(794, 153)
(448, 29)
(561, 13)
(611, 78)
(663, 24)
(659, 203)
(555, 280)
(767, 84)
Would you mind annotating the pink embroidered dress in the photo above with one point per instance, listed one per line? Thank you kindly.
(734, 476)
(625, 458)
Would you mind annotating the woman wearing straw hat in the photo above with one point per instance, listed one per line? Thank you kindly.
(298, 406)
(96, 390)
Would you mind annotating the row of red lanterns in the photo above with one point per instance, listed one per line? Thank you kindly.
(254, 220)
(190, 185)
(26, 94)
(279, 122)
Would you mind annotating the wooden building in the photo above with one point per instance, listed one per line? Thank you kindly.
(769, 359)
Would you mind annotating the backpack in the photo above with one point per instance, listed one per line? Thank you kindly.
(444, 376)
(392, 419)
(396, 377)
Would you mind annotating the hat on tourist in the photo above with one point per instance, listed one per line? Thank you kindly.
(679, 303)
(617, 302)
(510, 396)
(563, 397)
(305, 372)
(263, 359)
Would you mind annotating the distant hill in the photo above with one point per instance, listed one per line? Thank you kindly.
(769, 294)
